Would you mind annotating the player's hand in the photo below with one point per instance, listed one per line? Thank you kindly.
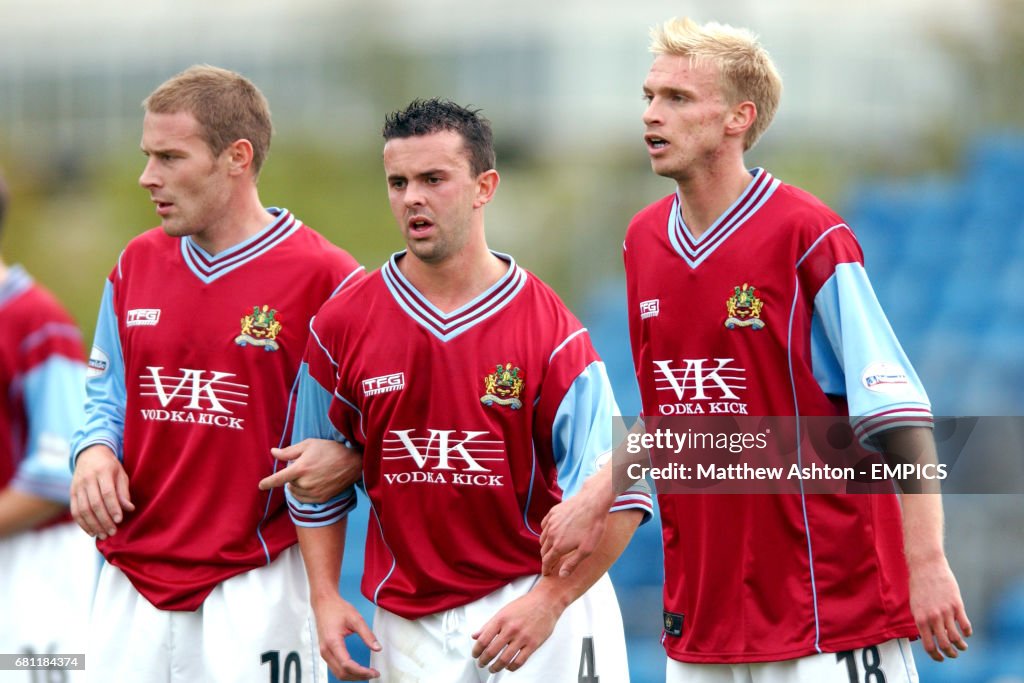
(508, 639)
(99, 492)
(571, 530)
(335, 619)
(317, 469)
(938, 609)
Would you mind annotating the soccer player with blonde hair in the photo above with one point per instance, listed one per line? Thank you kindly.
(749, 295)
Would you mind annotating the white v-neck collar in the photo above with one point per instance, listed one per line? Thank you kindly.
(446, 326)
(208, 268)
(695, 250)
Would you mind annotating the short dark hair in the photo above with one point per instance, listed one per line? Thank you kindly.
(423, 117)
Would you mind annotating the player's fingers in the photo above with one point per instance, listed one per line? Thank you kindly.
(572, 560)
(504, 658)
(493, 650)
(954, 635)
(928, 641)
(104, 525)
(288, 453)
(549, 560)
(942, 637)
(124, 497)
(354, 671)
(112, 505)
(363, 631)
(520, 658)
(279, 478)
(964, 622)
(82, 513)
(483, 638)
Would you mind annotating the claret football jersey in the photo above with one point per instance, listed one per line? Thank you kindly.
(770, 313)
(473, 424)
(190, 375)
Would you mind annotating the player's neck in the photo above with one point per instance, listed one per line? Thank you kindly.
(239, 220)
(706, 196)
(4, 271)
(456, 281)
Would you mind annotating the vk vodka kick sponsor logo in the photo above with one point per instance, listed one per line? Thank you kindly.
(192, 395)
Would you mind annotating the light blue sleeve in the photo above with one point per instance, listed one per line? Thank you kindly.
(582, 437)
(855, 354)
(54, 394)
(106, 397)
(312, 404)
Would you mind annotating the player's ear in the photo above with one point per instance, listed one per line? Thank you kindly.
(239, 155)
(741, 117)
(486, 185)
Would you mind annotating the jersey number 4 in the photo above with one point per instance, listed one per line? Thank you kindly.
(588, 669)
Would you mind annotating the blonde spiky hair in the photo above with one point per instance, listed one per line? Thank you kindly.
(746, 69)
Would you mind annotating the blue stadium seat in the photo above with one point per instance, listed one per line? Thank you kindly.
(1007, 616)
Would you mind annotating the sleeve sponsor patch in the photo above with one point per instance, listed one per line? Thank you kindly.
(884, 378)
(98, 363)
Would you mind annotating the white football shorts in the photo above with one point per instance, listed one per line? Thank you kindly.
(889, 662)
(255, 627)
(586, 646)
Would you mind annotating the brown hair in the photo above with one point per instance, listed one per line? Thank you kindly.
(227, 106)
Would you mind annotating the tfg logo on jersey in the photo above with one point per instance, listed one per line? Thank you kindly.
(142, 316)
(713, 382)
(649, 308)
(442, 456)
(383, 384)
(200, 396)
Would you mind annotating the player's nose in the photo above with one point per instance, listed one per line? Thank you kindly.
(149, 177)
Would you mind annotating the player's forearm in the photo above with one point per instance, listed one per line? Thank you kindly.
(922, 529)
(922, 504)
(562, 591)
(20, 511)
(322, 551)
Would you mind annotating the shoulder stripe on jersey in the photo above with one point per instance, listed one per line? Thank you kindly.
(16, 282)
(565, 342)
(348, 278)
(66, 330)
(208, 268)
(695, 251)
(446, 326)
(350, 404)
(818, 241)
(316, 337)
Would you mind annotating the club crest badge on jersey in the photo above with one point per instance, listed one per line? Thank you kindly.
(503, 387)
(744, 308)
(260, 328)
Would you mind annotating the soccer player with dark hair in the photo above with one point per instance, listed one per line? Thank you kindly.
(478, 402)
(201, 330)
